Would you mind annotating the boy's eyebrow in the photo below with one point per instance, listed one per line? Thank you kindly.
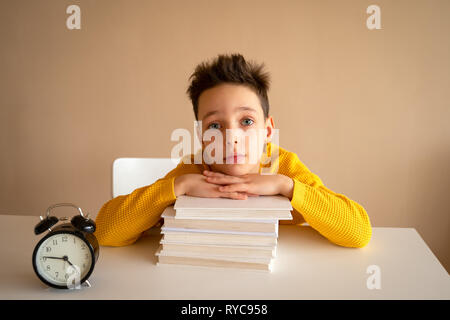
(208, 114)
(243, 108)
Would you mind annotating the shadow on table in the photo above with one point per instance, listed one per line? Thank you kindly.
(147, 245)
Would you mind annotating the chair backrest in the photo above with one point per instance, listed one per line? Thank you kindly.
(132, 173)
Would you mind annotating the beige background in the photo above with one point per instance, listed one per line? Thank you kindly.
(366, 110)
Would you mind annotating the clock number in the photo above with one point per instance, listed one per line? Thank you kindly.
(44, 259)
(55, 242)
(56, 274)
(83, 246)
(64, 239)
(48, 267)
(86, 255)
(48, 249)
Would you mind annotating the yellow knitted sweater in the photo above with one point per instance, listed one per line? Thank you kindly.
(341, 220)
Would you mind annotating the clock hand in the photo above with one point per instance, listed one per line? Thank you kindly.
(59, 258)
(66, 258)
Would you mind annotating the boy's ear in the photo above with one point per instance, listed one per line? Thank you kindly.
(270, 125)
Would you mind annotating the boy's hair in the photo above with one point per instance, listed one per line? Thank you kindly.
(229, 69)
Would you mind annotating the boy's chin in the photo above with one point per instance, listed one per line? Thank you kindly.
(235, 169)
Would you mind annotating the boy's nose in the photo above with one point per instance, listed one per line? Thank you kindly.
(232, 141)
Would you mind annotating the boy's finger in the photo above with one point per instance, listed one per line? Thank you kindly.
(212, 173)
(238, 187)
(216, 193)
(236, 195)
(231, 195)
(224, 179)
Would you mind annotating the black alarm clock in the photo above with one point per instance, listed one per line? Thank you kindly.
(65, 257)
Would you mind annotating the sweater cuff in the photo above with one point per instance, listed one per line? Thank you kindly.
(167, 191)
(298, 195)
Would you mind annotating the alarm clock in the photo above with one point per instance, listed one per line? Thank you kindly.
(65, 257)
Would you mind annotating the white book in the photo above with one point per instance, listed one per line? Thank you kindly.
(162, 251)
(221, 250)
(260, 208)
(217, 238)
(169, 212)
(252, 264)
(218, 225)
(269, 234)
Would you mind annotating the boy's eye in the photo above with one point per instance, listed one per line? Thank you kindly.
(247, 122)
(214, 126)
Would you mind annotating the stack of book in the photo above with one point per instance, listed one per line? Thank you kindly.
(220, 232)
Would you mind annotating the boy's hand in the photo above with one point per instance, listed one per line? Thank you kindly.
(252, 184)
(195, 184)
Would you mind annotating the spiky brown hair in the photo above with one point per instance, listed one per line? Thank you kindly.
(232, 69)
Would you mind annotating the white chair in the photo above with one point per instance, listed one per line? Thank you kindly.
(132, 173)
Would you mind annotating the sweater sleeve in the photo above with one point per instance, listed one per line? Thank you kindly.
(335, 216)
(122, 219)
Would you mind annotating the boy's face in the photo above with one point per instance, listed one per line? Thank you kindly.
(236, 108)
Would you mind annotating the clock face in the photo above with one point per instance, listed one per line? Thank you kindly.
(63, 259)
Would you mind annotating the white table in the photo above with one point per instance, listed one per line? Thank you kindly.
(307, 266)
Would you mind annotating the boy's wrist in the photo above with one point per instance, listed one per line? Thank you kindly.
(179, 186)
(286, 186)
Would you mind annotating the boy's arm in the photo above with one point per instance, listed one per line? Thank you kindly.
(338, 218)
(122, 219)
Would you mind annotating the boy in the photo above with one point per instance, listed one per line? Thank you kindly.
(231, 94)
